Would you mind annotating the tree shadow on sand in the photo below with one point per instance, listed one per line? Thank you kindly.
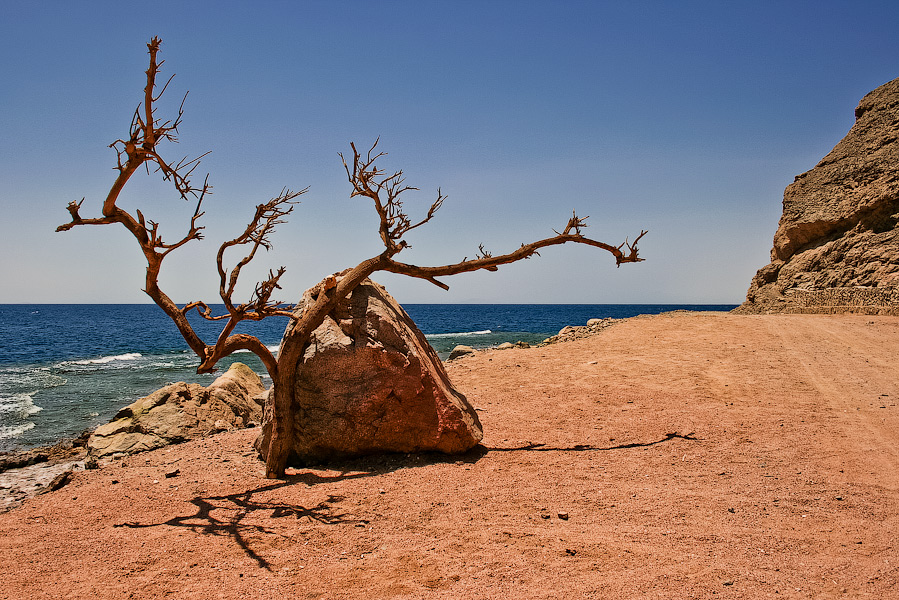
(235, 508)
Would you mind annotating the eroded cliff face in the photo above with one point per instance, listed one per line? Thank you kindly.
(836, 248)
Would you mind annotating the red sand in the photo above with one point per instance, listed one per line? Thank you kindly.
(684, 455)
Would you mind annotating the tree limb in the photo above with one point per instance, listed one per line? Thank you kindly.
(490, 262)
(369, 180)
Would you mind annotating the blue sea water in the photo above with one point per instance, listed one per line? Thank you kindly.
(68, 367)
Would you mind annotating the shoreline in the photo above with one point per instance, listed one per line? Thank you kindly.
(34, 471)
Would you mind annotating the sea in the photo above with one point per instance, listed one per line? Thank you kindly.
(65, 368)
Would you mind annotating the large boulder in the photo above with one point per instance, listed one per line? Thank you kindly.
(182, 411)
(370, 383)
(836, 248)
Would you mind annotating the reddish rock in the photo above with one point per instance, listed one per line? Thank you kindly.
(369, 382)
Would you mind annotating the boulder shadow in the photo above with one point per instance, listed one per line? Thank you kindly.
(370, 466)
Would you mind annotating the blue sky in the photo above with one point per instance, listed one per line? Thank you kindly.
(684, 118)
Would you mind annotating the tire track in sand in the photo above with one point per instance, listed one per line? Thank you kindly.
(853, 369)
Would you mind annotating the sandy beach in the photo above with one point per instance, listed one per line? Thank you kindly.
(704, 455)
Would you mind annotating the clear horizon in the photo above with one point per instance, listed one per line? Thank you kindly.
(412, 303)
(685, 119)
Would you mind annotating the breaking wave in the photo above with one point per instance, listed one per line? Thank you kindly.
(107, 359)
(273, 349)
(14, 408)
(437, 336)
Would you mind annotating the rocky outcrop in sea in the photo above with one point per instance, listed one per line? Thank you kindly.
(569, 333)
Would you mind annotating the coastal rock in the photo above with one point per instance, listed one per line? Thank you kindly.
(576, 332)
(21, 459)
(836, 248)
(459, 351)
(182, 411)
(369, 383)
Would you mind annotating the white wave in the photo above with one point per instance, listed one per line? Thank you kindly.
(20, 404)
(103, 360)
(10, 432)
(273, 349)
(108, 359)
(434, 336)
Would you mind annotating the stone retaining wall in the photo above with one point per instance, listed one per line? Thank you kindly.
(860, 300)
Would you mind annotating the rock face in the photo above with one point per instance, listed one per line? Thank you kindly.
(837, 245)
(182, 411)
(369, 382)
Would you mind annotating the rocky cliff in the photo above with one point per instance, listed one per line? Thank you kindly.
(836, 248)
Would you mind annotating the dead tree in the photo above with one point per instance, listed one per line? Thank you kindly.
(385, 190)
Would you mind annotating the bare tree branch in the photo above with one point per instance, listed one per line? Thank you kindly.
(371, 181)
(256, 235)
(487, 261)
(73, 208)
